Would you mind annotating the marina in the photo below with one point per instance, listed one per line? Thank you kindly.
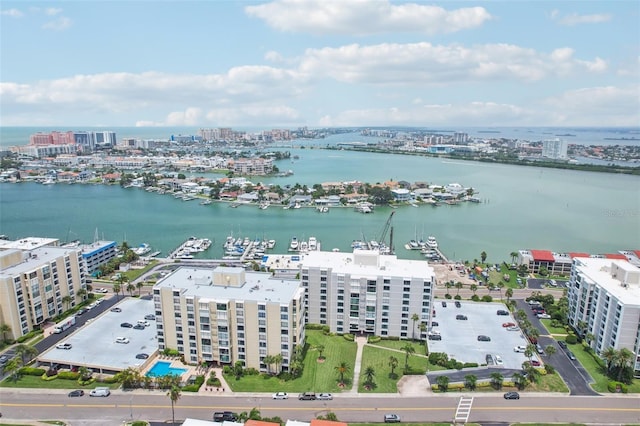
(190, 247)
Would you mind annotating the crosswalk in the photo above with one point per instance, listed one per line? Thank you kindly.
(463, 410)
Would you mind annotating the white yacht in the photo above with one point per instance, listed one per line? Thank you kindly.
(293, 246)
(271, 244)
(431, 242)
(313, 243)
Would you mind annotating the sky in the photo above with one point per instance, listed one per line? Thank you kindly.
(320, 63)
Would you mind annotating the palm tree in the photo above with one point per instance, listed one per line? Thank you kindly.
(458, 287)
(174, 395)
(509, 294)
(320, 349)
(67, 300)
(496, 380)
(519, 380)
(116, 290)
(369, 373)
(422, 327)
(268, 360)
(500, 287)
(448, 285)
(342, 369)
(408, 350)
(81, 293)
(393, 363)
(26, 352)
(4, 329)
(131, 288)
(529, 351)
(474, 288)
(483, 256)
(549, 350)
(623, 359)
(277, 360)
(139, 285)
(415, 318)
(13, 368)
(513, 255)
(470, 381)
(531, 373)
(609, 355)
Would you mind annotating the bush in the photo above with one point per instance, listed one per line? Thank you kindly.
(487, 298)
(195, 386)
(374, 339)
(447, 296)
(251, 372)
(30, 371)
(68, 375)
(617, 387)
(475, 298)
(571, 339)
(350, 337)
(227, 370)
(110, 379)
(469, 365)
(457, 297)
(394, 338)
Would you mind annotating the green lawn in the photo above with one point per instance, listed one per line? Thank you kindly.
(378, 358)
(549, 383)
(317, 376)
(36, 382)
(553, 330)
(596, 370)
(399, 344)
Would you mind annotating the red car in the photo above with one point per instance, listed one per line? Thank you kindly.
(535, 363)
(508, 324)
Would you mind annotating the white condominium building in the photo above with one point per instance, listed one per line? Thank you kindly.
(36, 276)
(368, 292)
(227, 314)
(604, 295)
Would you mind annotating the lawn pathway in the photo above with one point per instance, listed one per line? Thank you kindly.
(361, 341)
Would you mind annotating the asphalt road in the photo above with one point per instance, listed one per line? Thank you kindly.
(156, 406)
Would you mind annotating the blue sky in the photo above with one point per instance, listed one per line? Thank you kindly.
(316, 63)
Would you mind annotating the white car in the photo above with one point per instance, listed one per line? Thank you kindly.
(101, 290)
(498, 360)
(513, 328)
(63, 346)
(520, 349)
(280, 395)
(122, 340)
(324, 396)
(544, 316)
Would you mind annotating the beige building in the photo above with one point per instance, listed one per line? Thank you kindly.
(35, 276)
(227, 314)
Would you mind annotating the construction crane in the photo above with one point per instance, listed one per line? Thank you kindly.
(383, 235)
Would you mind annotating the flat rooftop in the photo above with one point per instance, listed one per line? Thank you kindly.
(34, 258)
(94, 343)
(600, 272)
(368, 262)
(28, 243)
(198, 281)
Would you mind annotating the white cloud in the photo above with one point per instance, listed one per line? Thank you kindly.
(13, 13)
(576, 19)
(360, 17)
(52, 11)
(59, 24)
(440, 64)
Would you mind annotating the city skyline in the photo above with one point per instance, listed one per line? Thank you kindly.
(290, 63)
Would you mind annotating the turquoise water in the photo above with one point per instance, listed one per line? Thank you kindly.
(161, 368)
(523, 207)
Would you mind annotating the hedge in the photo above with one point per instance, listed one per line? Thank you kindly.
(617, 387)
(194, 387)
(31, 371)
(68, 375)
(350, 337)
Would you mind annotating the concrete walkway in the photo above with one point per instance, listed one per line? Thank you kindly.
(361, 341)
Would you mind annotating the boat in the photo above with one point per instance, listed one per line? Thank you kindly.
(432, 243)
(322, 209)
(363, 208)
(142, 249)
(49, 181)
(304, 246)
(293, 245)
(413, 245)
(313, 243)
(263, 205)
(205, 202)
(234, 205)
(271, 244)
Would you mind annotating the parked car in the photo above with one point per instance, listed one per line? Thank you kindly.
(82, 311)
(444, 304)
(324, 397)
(101, 290)
(307, 396)
(535, 363)
(150, 317)
(139, 327)
(435, 337)
(513, 328)
(483, 338)
(508, 324)
(571, 356)
(280, 395)
(458, 304)
(544, 316)
(64, 346)
(461, 317)
(142, 356)
(512, 395)
(562, 344)
(100, 391)
(123, 340)
(74, 393)
(499, 360)
(502, 312)
(434, 323)
(116, 310)
(539, 349)
(520, 348)
(126, 325)
(391, 418)
(222, 416)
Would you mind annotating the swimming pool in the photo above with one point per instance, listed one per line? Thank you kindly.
(163, 368)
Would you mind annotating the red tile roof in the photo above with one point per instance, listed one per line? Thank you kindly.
(637, 253)
(316, 422)
(576, 254)
(615, 256)
(542, 255)
(251, 422)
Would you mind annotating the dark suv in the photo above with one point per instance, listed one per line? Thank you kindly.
(461, 317)
(308, 396)
(222, 416)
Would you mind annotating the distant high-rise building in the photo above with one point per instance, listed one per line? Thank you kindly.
(460, 138)
(555, 149)
(105, 139)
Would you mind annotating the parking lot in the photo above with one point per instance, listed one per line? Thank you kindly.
(94, 344)
(460, 337)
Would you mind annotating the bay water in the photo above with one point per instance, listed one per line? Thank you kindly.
(522, 207)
